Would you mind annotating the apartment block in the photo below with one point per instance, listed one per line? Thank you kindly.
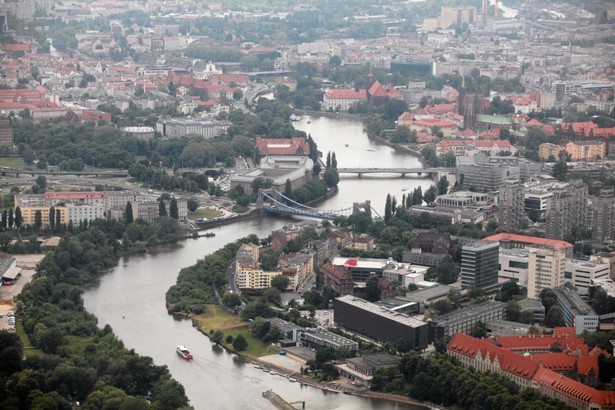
(511, 214)
(566, 209)
(603, 220)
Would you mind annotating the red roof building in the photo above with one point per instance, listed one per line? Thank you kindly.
(521, 241)
(336, 278)
(280, 146)
(539, 371)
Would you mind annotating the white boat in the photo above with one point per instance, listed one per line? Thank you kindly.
(183, 352)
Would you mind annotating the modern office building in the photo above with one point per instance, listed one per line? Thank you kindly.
(514, 264)
(582, 274)
(511, 215)
(577, 313)
(545, 270)
(379, 323)
(479, 265)
(603, 220)
(463, 320)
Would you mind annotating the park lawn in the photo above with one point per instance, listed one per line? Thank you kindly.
(203, 213)
(11, 162)
(215, 318)
(28, 351)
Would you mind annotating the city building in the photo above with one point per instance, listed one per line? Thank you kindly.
(78, 213)
(511, 215)
(335, 278)
(479, 265)
(583, 274)
(323, 338)
(282, 146)
(342, 99)
(603, 217)
(514, 241)
(545, 269)
(6, 130)
(278, 169)
(375, 322)
(464, 319)
(566, 209)
(486, 355)
(547, 150)
(514, 265)
(142, 133)
(586, 150)
(28, 215)
(179, 127)
(577, 313)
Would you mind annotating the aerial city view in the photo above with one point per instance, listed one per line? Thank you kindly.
(307, 204)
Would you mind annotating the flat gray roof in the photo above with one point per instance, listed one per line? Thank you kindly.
(381, 311)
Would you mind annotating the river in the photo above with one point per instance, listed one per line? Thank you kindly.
(131, 297)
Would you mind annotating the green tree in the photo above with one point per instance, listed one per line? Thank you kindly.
(443, 185)
(41, 181)
(560, 170)
(128, 215)
(193, 205)
(430, 194)
(372, 290)
(52, 218)
(331, 177)
(288, 189)
(38, 218)
(162, 208)
(554, 318)
(173, 209)
(18, 218)
(231, 300)
(280, 282)
(387, 209)
(479, 330)
(333, 160)
(217, 337)
(240, 343)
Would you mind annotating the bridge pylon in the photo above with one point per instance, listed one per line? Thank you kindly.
(362, 207)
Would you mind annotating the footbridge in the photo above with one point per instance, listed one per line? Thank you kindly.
(274, 202)
(418, 172)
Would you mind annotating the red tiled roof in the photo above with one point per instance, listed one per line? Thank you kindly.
(74, 195)
(534, 123)
(16, 47)
(281, 146)
(558, 362)
(597, 351)
(338, 275)
(377, 90)
(530, 369)
(345, 94)
(529, 239)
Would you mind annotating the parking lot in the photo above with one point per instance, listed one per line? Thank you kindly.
(27, 263)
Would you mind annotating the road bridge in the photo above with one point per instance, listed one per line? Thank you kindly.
(401, 171)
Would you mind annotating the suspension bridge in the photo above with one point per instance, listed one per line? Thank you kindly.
(274, 202)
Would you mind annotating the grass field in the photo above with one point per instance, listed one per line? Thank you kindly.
(29, 351)
(11, 162)
(204, 213)
(215, 318)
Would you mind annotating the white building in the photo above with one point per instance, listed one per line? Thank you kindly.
(545, 270)
(581, 274)
(80, 212)
(514, 264)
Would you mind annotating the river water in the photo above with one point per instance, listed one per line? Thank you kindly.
(131, 297)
